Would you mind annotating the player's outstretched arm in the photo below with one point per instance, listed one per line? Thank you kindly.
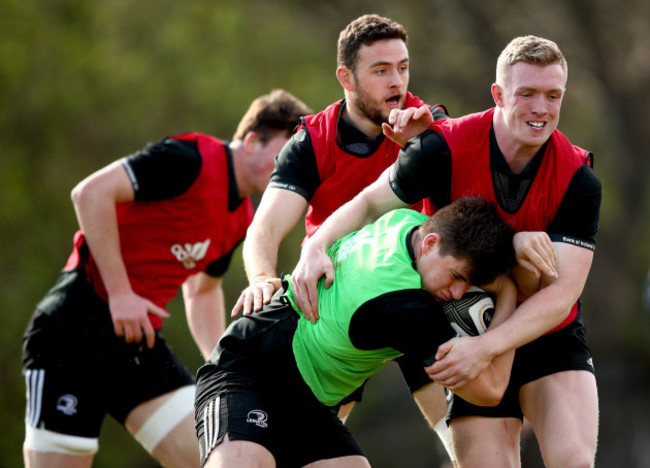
(373, 201)
(278, 213)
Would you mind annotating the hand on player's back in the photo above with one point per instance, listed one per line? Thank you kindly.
(253, 298)
(535, 252)
(312, 266)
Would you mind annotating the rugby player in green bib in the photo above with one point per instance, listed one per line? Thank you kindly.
(268, 395)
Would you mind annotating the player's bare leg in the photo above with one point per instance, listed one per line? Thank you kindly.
(562, 408)
(353, 461)
(34, 459)
(165, 427)
(432, 401)
(486, 442)
(231, 453)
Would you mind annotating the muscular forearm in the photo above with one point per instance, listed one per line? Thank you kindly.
(260, 256)
(549, 306)
(278, 213)
(375, 200)
(534, 317)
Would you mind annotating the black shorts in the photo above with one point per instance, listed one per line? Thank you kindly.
(563, 350)
(252, 390)
(77, 370)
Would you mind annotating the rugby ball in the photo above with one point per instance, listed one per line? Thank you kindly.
(471, 314)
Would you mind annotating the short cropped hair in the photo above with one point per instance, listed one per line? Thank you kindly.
(472, 229)
(364, 31)
(275, 113)
(529, 49)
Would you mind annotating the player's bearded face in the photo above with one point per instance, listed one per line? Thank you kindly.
(372, 108)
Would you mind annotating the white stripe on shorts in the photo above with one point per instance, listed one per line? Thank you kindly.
(211, 424)
(34, 379)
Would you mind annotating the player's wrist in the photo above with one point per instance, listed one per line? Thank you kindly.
(274, 281)
(489, 343)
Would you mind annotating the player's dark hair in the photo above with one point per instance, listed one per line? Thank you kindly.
(275, 113)
(364, 31)
(472, 229)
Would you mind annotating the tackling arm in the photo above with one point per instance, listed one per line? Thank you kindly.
(541, 312)
(373, 201)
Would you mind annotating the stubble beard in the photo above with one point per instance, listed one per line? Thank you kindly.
(369, 110)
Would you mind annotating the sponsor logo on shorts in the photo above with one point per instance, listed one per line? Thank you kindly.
(67, 404)
(590, 361)
(257, 417)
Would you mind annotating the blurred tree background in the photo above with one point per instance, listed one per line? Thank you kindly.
(83, 83)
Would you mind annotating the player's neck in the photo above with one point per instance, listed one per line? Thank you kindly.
(238, 161)
(353, 116)
(516, 154)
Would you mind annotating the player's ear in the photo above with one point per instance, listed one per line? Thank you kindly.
(345, 77)
(431, 240)
(497, 94)
(251, 140)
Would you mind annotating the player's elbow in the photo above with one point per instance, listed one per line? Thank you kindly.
(485, 391)
(81, 194)
(492, 396)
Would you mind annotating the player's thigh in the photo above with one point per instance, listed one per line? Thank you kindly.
(164, 426)
(231, 453)
(34, 459)
(563, 410)
(353, 461)
(486, 442)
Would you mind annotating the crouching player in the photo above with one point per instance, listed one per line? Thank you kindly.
(269, 392)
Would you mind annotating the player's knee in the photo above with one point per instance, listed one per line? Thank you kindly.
(42, 440)
(163, 421)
